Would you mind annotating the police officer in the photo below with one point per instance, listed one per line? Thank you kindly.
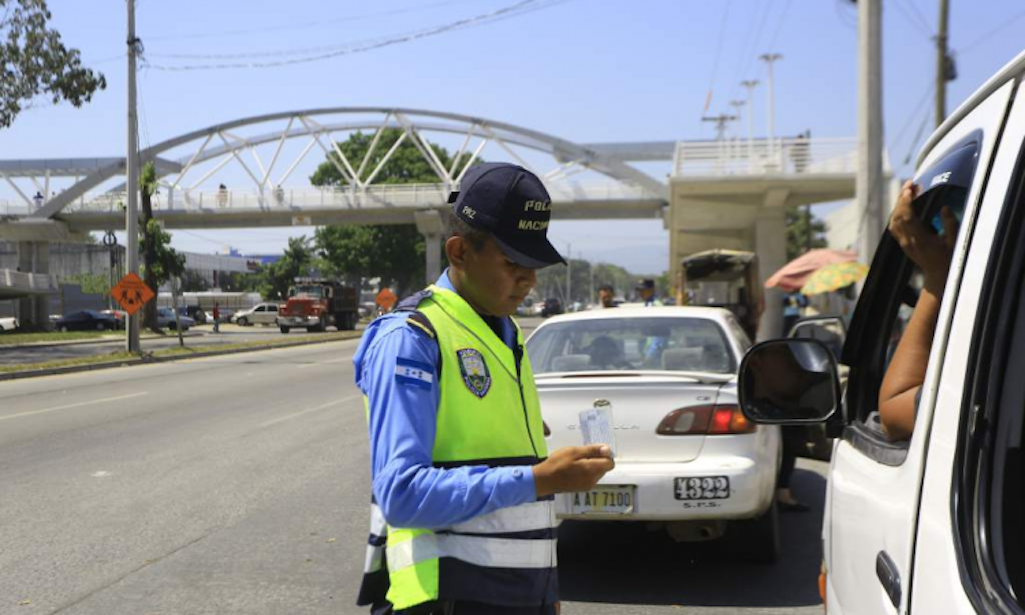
(646, 291)
(463, 516)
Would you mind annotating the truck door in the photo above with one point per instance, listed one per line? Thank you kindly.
(875, 482)
(969, 555)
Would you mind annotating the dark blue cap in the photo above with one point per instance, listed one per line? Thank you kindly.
(511, 204)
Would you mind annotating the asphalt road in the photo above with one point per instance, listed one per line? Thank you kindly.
(239, 484)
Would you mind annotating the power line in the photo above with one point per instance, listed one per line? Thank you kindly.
(923, 28)
(779, 26)
(718, 54)
(921, 16)
(304, 25)
(516, 9)
(988, 36)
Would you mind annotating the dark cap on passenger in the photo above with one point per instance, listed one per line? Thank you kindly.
(512, 204)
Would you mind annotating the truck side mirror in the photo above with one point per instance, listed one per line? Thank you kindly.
(789, 382)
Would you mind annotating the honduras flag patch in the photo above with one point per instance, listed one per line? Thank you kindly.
(414, 373)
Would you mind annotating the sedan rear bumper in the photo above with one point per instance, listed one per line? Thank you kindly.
(752, 483)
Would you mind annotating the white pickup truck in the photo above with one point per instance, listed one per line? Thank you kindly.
(935, 523)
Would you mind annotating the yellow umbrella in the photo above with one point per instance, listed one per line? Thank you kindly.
(834, 277)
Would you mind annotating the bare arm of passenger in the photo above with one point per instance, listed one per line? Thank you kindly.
(906, 372)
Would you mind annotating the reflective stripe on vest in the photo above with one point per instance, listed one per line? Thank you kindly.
(376, 542)
(477, 550)
(522, 518)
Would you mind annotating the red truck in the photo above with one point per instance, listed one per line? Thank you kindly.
(316, 304)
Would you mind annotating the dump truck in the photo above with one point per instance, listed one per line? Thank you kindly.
(316, 304)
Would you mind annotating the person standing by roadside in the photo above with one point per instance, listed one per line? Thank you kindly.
(463, 512)
(217, 318)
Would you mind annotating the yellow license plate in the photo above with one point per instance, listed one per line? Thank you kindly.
(617, 500)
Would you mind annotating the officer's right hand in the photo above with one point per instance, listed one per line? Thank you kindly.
(574, 468)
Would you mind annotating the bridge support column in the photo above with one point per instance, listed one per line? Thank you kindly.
(34, 257)
(771, 247)
(432, 226)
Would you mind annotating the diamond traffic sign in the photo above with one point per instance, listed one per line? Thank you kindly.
(131, 293)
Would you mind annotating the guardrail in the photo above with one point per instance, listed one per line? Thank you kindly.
(383, 196)
(796, 156)
(33, 282)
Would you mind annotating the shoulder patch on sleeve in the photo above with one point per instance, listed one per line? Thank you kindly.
(414, 373)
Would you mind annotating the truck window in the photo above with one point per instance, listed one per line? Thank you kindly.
(889, 298)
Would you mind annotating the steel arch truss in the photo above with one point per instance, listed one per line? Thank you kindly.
(224, 143)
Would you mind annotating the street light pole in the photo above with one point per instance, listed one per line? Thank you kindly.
(770, 59)
(132, 171)
(738, 105)
(750, 84)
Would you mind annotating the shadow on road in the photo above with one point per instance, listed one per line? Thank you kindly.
(626, 564)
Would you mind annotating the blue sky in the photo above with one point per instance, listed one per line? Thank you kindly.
(583, 70)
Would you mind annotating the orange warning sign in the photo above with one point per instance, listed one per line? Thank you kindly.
(131, 293)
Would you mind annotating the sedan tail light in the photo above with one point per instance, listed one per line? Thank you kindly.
(548, 430)
(719, 420)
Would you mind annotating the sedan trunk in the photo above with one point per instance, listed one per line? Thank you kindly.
(639, 404)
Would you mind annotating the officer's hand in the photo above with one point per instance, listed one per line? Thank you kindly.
(574, 468)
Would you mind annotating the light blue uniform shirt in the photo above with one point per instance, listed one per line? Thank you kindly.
(403, 421)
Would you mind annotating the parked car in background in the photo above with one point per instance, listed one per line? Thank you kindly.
(119, 315)
(86, 320)
(551, 307)
(262, 314)
(8, 323)
(195, 313)
(686, 458)
(166, 319)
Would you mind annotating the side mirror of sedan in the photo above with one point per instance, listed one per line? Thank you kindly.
(789, 382)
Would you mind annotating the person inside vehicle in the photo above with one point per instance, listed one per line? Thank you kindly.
(931, 252)
(606, 353)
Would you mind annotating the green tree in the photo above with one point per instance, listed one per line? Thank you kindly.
(34, 62)
(193, 282)
(804, 232)
(395, 253)
(299, 260)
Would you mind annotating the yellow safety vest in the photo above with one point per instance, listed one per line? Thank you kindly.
(488, 414)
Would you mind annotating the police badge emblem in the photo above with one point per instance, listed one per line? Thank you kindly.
(474, 371)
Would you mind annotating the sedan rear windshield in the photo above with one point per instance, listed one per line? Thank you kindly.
(631, 344)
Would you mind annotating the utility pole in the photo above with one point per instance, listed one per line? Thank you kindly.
(132, 171)
(721, 121)
(944, 64)
(770, 59)
(738, 105)
(869, 183)
(750, 84)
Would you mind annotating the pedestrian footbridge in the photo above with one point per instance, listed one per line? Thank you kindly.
(15, 284)
(253, 172)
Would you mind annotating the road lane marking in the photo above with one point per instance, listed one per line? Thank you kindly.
(309, 410)
(305, 365)
(70, 406)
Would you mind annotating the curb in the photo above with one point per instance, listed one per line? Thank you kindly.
(87, 342)
(149, 360)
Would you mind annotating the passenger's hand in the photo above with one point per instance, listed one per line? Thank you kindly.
(574, 468)
(931, 252)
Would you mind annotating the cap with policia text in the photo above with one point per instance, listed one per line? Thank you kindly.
(512, 204)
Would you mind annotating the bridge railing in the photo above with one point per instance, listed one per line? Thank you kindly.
(35, 282)
(382, 196)
(794, 156)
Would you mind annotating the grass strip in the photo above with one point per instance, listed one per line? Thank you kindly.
(17, 339)
(176, 351)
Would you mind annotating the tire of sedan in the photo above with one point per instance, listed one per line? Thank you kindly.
(63, 329)
(100, 326)
(760, 537)
(285, 329)
(243, 322)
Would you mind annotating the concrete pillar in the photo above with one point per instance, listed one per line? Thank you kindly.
(771, 247)
(432, 226)
(34, 257)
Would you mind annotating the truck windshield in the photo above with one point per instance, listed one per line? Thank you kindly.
(310, 291)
